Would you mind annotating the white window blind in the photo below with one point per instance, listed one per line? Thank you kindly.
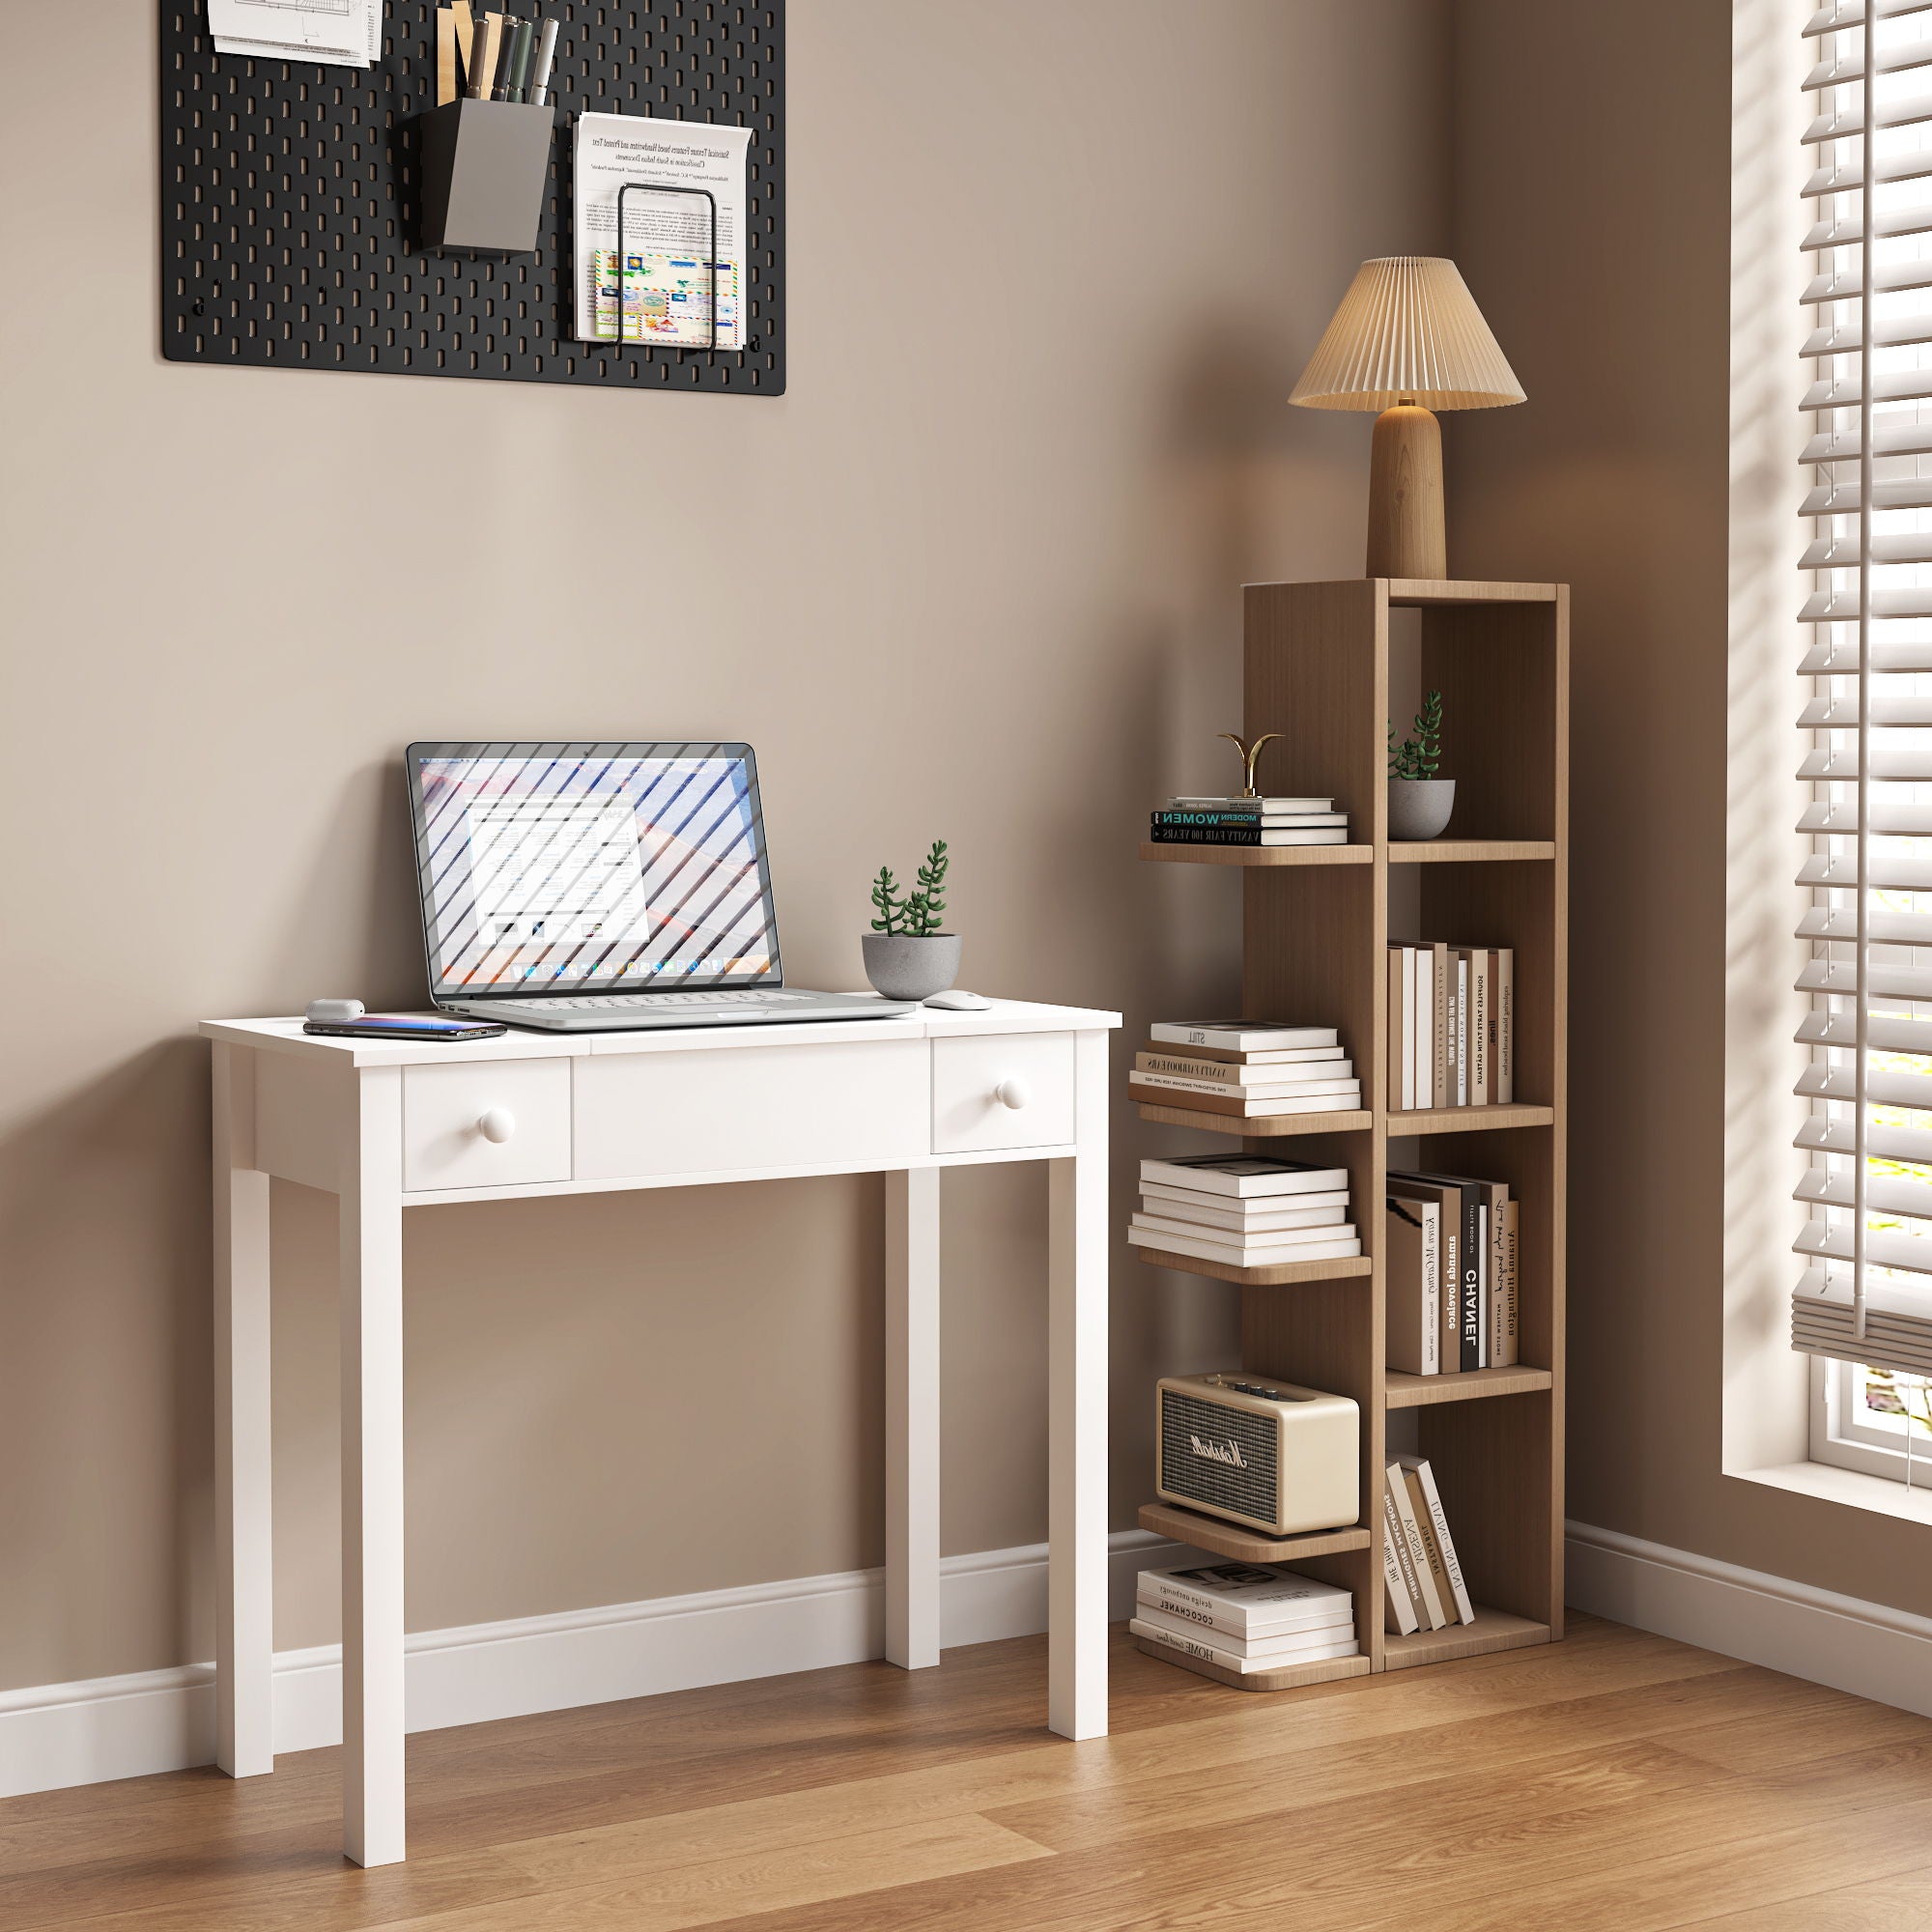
(1866, 1292)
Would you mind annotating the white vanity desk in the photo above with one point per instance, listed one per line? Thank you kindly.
(389, 1126)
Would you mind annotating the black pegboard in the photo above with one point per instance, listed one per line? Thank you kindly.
(288, 215)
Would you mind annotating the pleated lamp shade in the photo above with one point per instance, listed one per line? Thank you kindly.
(1407, 332)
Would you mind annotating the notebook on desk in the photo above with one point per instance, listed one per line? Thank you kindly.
(590, 886)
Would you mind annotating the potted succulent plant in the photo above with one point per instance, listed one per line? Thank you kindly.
(907, 957)
(1419, 802)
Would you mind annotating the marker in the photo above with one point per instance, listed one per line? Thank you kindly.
(488, 42)
(546, 60)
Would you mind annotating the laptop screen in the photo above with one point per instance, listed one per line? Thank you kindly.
(588, 867)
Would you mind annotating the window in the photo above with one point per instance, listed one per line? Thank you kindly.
(1863, 1305)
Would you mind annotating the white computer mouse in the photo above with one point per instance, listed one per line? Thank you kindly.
(958, 1001)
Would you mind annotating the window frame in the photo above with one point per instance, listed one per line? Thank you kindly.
(1841, 1439)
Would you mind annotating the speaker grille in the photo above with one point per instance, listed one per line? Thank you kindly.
(1248, 1491)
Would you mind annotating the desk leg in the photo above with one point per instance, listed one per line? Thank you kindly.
(912, 1417)
(372, 1474)
(1076, 1684)
(244, 1643)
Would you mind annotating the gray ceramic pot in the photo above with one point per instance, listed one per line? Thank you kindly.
(1420, 808)
(905, 968)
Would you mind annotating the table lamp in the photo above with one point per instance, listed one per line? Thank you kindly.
(1406, 340)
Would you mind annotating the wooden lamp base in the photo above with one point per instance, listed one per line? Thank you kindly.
(1405, 530)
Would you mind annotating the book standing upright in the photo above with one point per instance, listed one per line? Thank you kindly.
(1317, 923)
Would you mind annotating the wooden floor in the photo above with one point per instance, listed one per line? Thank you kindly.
(1617, 1781)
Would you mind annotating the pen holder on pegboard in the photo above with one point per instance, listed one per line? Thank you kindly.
(485, 169)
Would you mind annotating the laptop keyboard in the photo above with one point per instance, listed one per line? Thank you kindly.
(606, 1002)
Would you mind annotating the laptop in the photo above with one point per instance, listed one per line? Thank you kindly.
(589, 887)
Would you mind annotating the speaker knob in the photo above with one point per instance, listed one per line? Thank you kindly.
(497, 1125)
(1014, 1093)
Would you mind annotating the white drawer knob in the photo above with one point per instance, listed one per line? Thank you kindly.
(1014, 1093)
(497, 1125)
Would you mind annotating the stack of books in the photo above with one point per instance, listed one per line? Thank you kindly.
(1249, 821)
(1452, 1012)
(1249, 1069)
(1422, 1581)
(1450, 1249)
(1244, 1210)
(1244, 1616)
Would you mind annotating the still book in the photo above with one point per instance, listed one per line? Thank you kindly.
(1267, 820)
(1262, 1247)
(1242, 1035)
(1212, 1211)
(1245, 1177)
(1321, 1063)
(1289, 1647)
(1429, 1506)
(1346, 1247)
(1417, 1572)
(1247, 1110)
(1395, 1546)
(1413, 1247)
(1251, 805)
(1246, 1600)
(1228, 1659)
(1309, 1081)
(1236, 834)
(1261, 1056)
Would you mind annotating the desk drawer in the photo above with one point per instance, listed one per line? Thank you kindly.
(1007, 1090)
(720, 1109)
(486, 1124)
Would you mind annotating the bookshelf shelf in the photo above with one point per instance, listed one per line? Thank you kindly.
(1416, 593)
(1469, 851)
(1290, 1677)
(1327, 665)
(1269, 1127)
(1492, 1630)
(1245, 1546)
(1405, 1391)
(1278, 1276)
(1257, 855)
(1465, 1120)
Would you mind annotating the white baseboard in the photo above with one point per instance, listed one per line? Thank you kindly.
(1869, 1649)
(55, 1735)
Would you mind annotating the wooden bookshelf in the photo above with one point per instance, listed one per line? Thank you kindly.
(1315, 933)
(1290, 1677)
(1405, 1391)
(1467, 851)
(1280, 1275)
(1257, 855)
(1245, 1546)
(1270, 1126)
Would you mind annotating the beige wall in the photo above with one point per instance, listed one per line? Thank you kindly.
(1593, 221)
(975, 577)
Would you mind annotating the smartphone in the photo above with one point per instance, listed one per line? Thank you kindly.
(408, 1026)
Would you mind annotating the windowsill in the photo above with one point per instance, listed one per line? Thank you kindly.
(1877, 1493)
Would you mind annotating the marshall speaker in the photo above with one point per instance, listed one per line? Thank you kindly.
(1265, 1454)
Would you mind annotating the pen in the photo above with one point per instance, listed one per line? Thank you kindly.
(488, 40)
(546, 60)
(520, 45)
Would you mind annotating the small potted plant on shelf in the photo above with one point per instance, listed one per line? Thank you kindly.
(907, 957)
(1419, 802)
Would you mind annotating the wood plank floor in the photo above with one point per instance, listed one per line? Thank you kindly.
(1616, 1782)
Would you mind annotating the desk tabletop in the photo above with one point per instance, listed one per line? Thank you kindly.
(286, 1035)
